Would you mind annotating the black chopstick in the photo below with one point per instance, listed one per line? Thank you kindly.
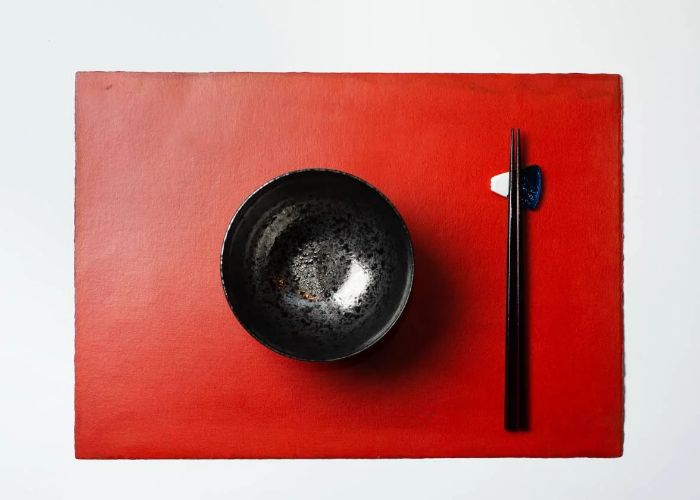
(516, 401)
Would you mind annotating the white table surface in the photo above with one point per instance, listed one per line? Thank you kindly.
(654, 45)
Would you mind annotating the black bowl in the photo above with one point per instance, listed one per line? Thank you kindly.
(317, 265)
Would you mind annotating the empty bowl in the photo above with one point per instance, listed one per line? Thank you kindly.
(317, 265)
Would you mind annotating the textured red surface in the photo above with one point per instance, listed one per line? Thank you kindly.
(164, 370)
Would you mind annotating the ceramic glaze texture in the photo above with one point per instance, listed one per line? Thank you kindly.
(317, 265)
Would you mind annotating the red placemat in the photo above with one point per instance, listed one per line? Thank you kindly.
(164, 370)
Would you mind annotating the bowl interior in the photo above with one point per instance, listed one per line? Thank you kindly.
(317, 265)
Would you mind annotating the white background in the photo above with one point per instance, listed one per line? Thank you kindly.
(654, 45)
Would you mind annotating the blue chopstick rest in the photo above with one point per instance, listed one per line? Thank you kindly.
(530, 186)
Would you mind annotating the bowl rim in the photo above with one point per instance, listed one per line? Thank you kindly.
(409, 272)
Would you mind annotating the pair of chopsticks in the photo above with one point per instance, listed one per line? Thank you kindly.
(516, 390)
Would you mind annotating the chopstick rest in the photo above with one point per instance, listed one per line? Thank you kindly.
(530, 185)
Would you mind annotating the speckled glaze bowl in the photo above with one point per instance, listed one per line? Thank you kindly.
(317, 265)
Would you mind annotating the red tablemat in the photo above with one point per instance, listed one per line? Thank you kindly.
(163, 369)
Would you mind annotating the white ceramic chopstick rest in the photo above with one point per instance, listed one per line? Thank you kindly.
(499, 184)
